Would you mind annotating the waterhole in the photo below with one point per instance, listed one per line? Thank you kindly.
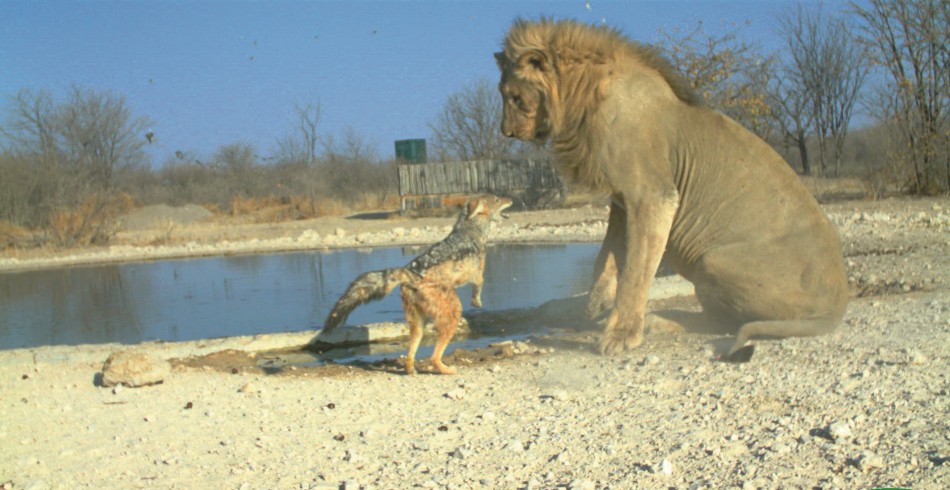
(180, 300)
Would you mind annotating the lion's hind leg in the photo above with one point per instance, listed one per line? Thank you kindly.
(739, 352)
(681, 321)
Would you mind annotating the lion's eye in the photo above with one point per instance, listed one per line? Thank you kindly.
(516, 99)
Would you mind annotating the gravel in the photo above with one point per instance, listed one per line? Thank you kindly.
(863, 407)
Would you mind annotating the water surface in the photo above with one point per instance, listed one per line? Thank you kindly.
(193, 299)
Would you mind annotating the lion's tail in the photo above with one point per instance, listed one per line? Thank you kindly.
(370, 286)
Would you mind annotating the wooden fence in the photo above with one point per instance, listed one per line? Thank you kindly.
(429, 184)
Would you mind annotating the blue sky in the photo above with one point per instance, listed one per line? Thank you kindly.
(214, 73)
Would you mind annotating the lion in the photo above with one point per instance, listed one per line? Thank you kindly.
(685, 181)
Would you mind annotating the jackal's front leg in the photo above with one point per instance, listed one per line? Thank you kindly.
(477, 285)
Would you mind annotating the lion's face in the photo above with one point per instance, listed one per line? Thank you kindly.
(525, 114)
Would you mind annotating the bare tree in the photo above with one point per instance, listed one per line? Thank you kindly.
(791, 111)
(823, 77)
(351, 168)
(32, 185)
(99, 135)
(910, 39)
(303, 142)
(32, 123)
(238, 164)
(730, 74)
(73, 150)
(468, 126)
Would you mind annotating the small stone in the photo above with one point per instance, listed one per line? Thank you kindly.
(581, 485)
(917, 358)
(560, 395)
(36, 485)
(456, 394)
(133, 369)
(867, 461)
(249, 387)
(651, 360)
(780, 448)
(838, 431)
(352, 456)
(666, 467)
(515, 445)
(462, 453)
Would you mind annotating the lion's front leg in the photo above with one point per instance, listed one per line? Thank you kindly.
(648, 225)
(603, 292)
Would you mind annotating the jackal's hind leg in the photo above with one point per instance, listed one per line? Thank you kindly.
(415, 319)
(445, 313)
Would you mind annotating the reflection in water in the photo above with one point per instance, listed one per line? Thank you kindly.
(245, 295)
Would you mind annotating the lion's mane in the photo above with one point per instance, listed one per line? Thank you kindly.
(581, 61)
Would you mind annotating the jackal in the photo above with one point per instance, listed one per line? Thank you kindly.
(429, 281)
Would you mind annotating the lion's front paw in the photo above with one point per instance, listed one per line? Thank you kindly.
(476, 301)
(617, 341)
(599, 301)
(622, 333)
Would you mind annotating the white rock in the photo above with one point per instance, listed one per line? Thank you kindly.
(868, 461)
(456, 394)
(839, 430)
(581, 485)
(134, 368)
(515, 445)
(560, 395)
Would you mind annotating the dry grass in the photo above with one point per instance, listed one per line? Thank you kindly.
(13, 236)
(280, 209)
(827, 189)
(93, 221)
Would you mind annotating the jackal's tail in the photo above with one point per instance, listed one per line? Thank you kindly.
(370, 286)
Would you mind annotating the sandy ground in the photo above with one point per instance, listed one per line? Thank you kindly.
(864, 407)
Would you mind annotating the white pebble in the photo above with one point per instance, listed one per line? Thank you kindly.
(839, 430)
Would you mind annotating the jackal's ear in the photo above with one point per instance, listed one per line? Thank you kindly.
(474, 207)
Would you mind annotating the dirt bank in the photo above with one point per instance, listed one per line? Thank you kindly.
(166, 239)
(863, 407)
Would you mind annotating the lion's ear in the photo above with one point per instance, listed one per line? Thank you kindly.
(501, 59)
(534, 60)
